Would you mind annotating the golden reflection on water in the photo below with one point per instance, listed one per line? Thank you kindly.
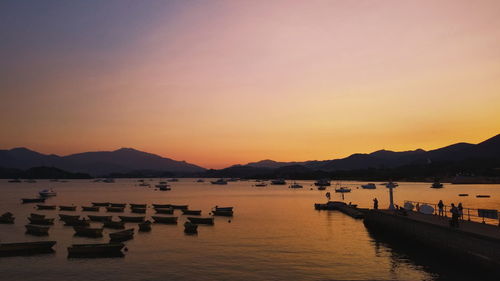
(275, 234)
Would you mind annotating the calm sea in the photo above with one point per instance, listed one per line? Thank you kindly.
(275, 234)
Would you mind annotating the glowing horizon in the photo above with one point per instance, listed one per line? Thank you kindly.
(229, 82)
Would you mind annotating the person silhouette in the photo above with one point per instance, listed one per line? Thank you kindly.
(375, 204)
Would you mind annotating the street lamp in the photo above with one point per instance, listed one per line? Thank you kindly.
(391, 186)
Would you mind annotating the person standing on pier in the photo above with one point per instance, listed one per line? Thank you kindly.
(460, 211)
(440, 208)
(375, 204)
(454, 216)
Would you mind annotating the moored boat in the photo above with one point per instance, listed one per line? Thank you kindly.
(145, 226)
(342, 189)
(87, 231)
(179, 207)
(123, 235)
(217, 208)
(200, 180)
(37, 230)
(26, 248)
(120, 205)
(138, 210)
(260, 184)
(114, 224)
(437, 184)
(164, 211)
(90, 208)
(219, 182)
(278, 182)
(115, 209)
(46, 207)
(222, 213)
(33, 200)
(100, 218)
(37, 216)
(322, 182)
(96, 250)
(139, 206)
(131, 219)
(67, 208)
(76, 222)
(15, 181)
(164, 188)
(167, 220)
(68, 217)
(7, 218)
(369, 186)
(162, 205)
(100, 204)
(191, 212)
(295, 185)
(47, 193)
(190, 228)
(197, 220)
(43, 221)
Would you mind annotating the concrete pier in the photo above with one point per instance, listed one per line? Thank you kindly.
(474, 243)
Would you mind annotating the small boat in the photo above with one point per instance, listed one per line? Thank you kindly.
(37, 230)
(436, 184)
(131, 219)
(115, 209)
(7, 218)
(47, 193)
(167, 220)
(222, 213)
(26, 248)
(260, 184)
(295, 185)
(46, 207)
(33, 200)
(87, 231)
(179, 207)
(200, 180)
(144, 184)
(100, 218)
(15, 181)
(90, 208)
(138, 210)
(483, 196)
(233, 179)
(43, 221)
(76, 222)
(114, 224)
(145, 226)
(96, 250)
(219, 182)
(37, 216)
(391, 184)
(164, 210)
(278, 182)
(120, 205)
(191, 212)
(67, 208)
(197, 220)
(161, 184)
(217, 208)
(164, 188)
(190, 228)
(68, 217)
(463, 194)
(369, 186)
(108, 180)
(123, 235)
(139, 206)
(342, 189)
(322, 182)
(162, 205)
(100, 204)
(173, 180)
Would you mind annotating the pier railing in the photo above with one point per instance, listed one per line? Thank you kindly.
(471, 214)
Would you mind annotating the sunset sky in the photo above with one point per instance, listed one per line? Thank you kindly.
(217, 83)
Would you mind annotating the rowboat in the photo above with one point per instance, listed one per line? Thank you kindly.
(44, 221)
(217, 208)
(114, 224)
(138, 206)
(7, 218)
(180, 207)
(131, 219)
(121, 205)
(100, 204)
(100, 218)
(138, 210)
(196, 220)
(26, 248)
(67, 208)
(37, 216)
(168, 211)
(87, 231)
(115, 209)
(46, 207)
(123, 235)
(145, 226)
(95, 250)
(68, 217)
(190, 228)
(222, 213)
(76, 222)
(90, 208)
(191, 212)
(168, 220)
(37, 230)
(33, 200)
(161, 205)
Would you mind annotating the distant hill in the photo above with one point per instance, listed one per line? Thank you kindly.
(123, 160)
(40, 173)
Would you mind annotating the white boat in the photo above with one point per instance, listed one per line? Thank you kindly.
(295, 185)
(369, 186)
(47, 193)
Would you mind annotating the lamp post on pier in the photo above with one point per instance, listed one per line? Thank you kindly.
(391, 186)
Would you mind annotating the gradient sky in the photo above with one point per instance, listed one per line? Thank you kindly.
(217, 83)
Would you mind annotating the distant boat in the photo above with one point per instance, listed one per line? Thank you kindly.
(369, 186)
(90, 208)
(47, 193)
(219, 182)
(26, 247)
(108, 180)
(200, 180)
(145, 226)
(190, 228)
(295, 185)
(15, 180)
(322, 182)
(278, 182)
(261, 184)
(173, 180)
(482, 196)
(33, 200)
(463, 194)
(233, 179)
(391, 184)
(123, 235)
(144, 184)
(197, 220)
(436, 184)
(342, 189)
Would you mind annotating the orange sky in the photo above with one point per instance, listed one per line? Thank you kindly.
(226, 82)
